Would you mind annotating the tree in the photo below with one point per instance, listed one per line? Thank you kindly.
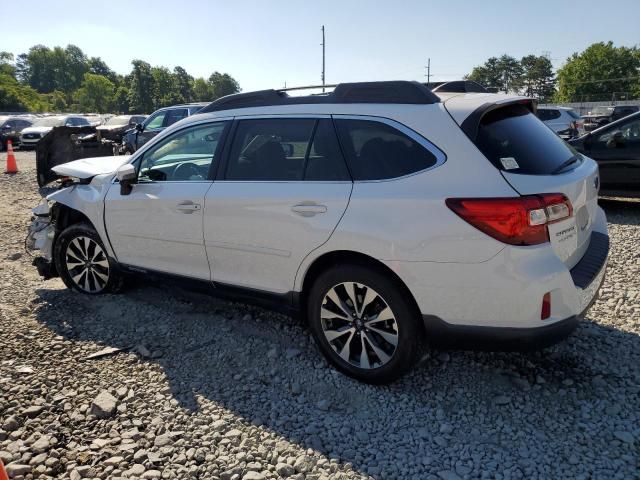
(202, 90)
(222, 84)
(504, 73)
(19, 98)
(164, 88)
(57, 101)
(141, 88)
(121, 100)
(97, 66)
(598, 73)
(538, 79)
(6, 64)
(95, 94)
(183, 84)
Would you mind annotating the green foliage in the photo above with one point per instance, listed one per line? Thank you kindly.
(504, 73)
(141, 88)
(538, 79)
(96, 94)
(598, 73)
(62, 79)
(18, 98)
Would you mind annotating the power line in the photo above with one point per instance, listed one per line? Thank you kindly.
(323, 71)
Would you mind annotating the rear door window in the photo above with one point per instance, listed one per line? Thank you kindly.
(514, 140)
(377, 151)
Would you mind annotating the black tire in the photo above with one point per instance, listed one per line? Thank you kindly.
(78, 243)
(408, 330)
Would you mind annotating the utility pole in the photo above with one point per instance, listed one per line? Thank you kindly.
(428, 70)
(322, 58)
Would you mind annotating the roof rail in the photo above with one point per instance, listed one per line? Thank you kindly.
(457, 86)
(400, 91)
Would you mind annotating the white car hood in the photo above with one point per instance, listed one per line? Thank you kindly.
(36, 130)
(90, 167)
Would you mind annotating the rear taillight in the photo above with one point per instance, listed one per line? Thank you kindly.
(545, 312)
(516, 221)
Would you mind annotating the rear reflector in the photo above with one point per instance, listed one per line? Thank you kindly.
(546, 306)
(516, 221)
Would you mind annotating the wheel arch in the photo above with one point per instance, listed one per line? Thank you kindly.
(341, 257)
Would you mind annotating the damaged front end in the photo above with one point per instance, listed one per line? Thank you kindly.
(40, 238)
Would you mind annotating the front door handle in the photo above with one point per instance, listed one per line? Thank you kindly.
(188, 207)
(308, 209)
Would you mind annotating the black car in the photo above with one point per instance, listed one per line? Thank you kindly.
(155, 123)
(603, 115)
(616, 148)
(115, 127)
(10, 128)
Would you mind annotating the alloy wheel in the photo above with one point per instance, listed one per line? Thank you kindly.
(359, 325)
(87, 264)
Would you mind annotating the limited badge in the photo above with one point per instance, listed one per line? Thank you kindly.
(509, 163)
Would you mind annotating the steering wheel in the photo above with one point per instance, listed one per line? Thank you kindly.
(185, 171)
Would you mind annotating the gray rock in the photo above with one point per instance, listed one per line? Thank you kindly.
(501, 400)
(40, 445)
(323, 405)
(104, 405)
(152, 474)
(304, 464)
(17, 469)
(285, 470)
(625, 437)
(38, 460)
(448, 475)
(11, 424)
(254, 476)
(162, 440)
(33, 411)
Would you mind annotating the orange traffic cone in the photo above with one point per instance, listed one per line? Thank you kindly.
(3, 472)
(12, 166)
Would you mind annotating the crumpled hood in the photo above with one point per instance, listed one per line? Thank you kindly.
(36, 130)
(90, 167)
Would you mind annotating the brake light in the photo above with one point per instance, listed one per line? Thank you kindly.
(516, 221)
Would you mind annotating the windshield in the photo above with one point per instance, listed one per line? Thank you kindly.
(602, 111)
(515, 140)
(119, 120)
(49, 122)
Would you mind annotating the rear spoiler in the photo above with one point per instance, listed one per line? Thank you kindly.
(471, 124)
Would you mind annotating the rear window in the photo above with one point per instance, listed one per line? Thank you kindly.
(514, 140)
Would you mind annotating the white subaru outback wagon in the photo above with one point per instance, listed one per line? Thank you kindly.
(392, 215)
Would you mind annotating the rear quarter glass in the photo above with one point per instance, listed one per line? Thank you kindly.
(513, 139)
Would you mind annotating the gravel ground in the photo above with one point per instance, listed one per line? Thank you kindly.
(208, 389)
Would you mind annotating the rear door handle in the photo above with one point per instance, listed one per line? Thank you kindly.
(308, 209)
(188, 207)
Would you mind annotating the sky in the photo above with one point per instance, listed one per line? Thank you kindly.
(264, 44)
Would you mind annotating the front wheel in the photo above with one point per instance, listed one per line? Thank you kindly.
(364, 324)
(82, 261)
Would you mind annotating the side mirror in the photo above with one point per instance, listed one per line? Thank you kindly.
(126, 175)
(139, 127)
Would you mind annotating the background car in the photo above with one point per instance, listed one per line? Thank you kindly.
(10, 128)
(616, 148)
(155, 123)
(32, 135)
(566, 122)
(116, 126)
(601, 116)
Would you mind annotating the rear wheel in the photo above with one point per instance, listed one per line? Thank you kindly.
(364, 324)
(82, 261)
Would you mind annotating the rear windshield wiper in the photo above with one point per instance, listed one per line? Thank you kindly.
(566, 163)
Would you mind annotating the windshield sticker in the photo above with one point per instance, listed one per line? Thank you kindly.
(509, 163)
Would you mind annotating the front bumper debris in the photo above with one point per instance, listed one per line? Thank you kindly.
(40, 238)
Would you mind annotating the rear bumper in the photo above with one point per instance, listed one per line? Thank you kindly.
(468, 337)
